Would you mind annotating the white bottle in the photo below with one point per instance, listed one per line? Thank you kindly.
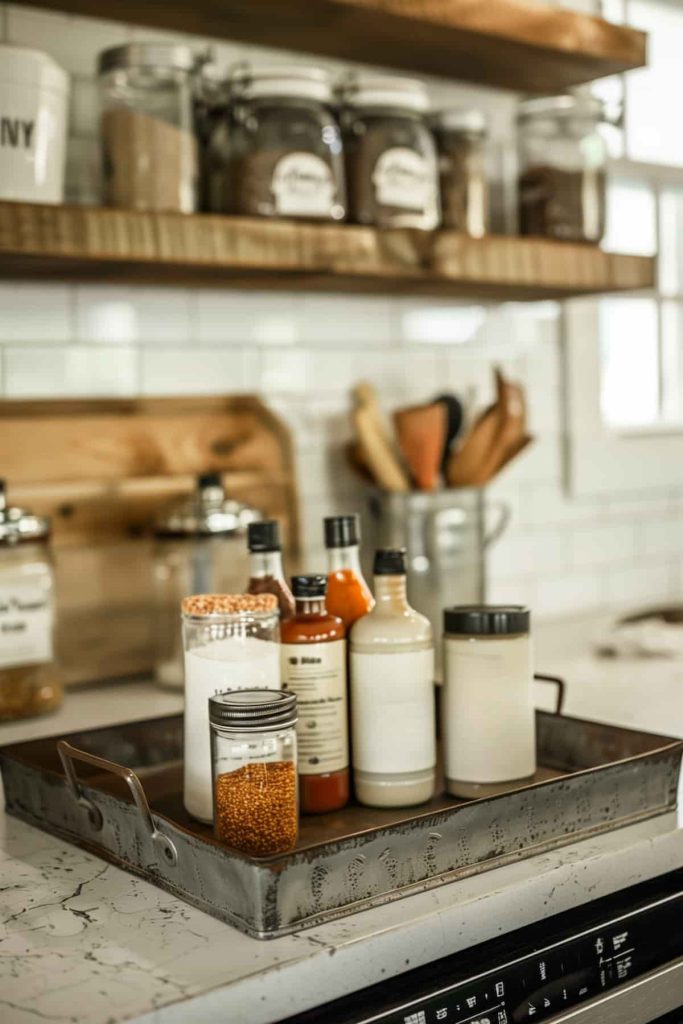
(392, 695)
(487, 703)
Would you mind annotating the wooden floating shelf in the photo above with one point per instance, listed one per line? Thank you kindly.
(506, 43)
(87, 243)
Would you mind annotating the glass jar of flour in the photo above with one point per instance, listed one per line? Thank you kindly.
(231, 642)
(488, 713)
(29, 683)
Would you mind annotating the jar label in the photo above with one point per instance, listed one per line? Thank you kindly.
(26, 618)
(303, 186)
(392, 704)
(402, 178)
(316, 673)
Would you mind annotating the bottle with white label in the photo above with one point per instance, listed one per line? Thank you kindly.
(392, 695)
(314, 668)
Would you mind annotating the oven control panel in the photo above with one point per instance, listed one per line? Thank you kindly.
(541, 984)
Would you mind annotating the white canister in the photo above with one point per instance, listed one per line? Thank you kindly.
(487, 708)
(34, 92)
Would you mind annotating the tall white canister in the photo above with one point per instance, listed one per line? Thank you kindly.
(34, 91)
(488, 716)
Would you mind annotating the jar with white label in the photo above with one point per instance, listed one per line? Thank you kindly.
(391, 162)
(487, 708)
(231, 642)
(393, 733)
(29, 682)
(280, 153)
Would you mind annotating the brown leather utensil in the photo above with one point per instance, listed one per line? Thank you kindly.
(421, 431)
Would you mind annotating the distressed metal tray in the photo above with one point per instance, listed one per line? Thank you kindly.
(118, 792)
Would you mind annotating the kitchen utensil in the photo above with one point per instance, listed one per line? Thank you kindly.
(376, 446)
(465, 462)
(421, 431)
(512, 410)
(455, 418)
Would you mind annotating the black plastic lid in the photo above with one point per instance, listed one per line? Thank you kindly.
(209, 480)
(390, 562)
(342, 531)
(264, 535)
(253, 709)
(486, 620)
(309, 586)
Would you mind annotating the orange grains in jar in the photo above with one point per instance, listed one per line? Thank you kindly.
(254, 765)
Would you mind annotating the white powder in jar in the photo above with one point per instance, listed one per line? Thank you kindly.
(233, 663)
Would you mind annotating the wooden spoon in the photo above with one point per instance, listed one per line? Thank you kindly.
(421, 431)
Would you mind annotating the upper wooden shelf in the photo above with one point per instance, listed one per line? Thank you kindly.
(512, 44)
(87, 243)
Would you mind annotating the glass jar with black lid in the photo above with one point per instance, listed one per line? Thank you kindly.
(391, 161)
(280, 153)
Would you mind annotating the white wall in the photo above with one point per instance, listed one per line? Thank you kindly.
(303, 352)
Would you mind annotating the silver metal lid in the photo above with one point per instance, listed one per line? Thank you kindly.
(566, 105)
(17, 524)
(386, 91)
(168, 56)
(460, 119)
(253, 709)
(206, 513)
(282, 80)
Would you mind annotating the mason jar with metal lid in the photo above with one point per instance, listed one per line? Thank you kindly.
(150, 153)
(391, 161)
(200, 549)
(488, 716)
(461, 140)
(29, 682)
(280, 154)
(254, 767)
(563, 156)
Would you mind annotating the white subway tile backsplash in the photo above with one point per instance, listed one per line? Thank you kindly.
(663, 537)
(73, 42)
(107, 315)
(71, 371)
(567, 594)
(347, 321)
(529, 553)
(84, 110)
(35, 313)
(603, 545)
(246, 318)
(285, 371)
(165, 316)
(172, 371)
(644, 582)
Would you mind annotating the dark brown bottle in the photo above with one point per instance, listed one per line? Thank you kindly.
(266, 575)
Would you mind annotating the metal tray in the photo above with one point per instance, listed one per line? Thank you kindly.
(118, 792)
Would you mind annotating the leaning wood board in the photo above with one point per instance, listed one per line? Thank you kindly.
(506, 43)
(102, 470)
(38, 241)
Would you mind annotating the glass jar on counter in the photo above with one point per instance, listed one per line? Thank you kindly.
(254, 769)
(563, 156)
(391, 161)
(461, 141)
(29, 681)
(280, 153)
(231, 642)
(149, 148)
(200, 549)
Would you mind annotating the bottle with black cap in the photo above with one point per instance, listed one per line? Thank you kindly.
(313, 652)
(266, 575)
(392, 695)
(348, 595)
(487, 699)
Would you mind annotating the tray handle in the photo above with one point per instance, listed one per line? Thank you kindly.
(561, 689)
(69, 754)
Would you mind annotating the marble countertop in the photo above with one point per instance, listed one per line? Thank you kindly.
(82, 941)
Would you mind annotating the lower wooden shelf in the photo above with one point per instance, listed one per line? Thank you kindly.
(88, 243)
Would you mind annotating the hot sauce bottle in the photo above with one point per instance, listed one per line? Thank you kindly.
(313, 653)
(266, 575)
(348, 595)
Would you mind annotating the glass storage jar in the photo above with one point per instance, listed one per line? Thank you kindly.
(231, 642)
(211, 111)
(149, 149)
(200, 548)
(562, 184)
(29, 682)
(280, 153)
(461, 141)
(391, 162)
(254, 769)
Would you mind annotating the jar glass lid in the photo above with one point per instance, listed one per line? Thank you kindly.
(162, 56)
(387, 91)
(17, 524)
(205, 513)
(287, 81)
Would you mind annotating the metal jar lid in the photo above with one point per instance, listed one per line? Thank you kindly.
(163, 56)
(386, 91)
(206, 513)
(486, 620)
(460, 120)
(18, 525)
(253, 709)
(284, 81)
